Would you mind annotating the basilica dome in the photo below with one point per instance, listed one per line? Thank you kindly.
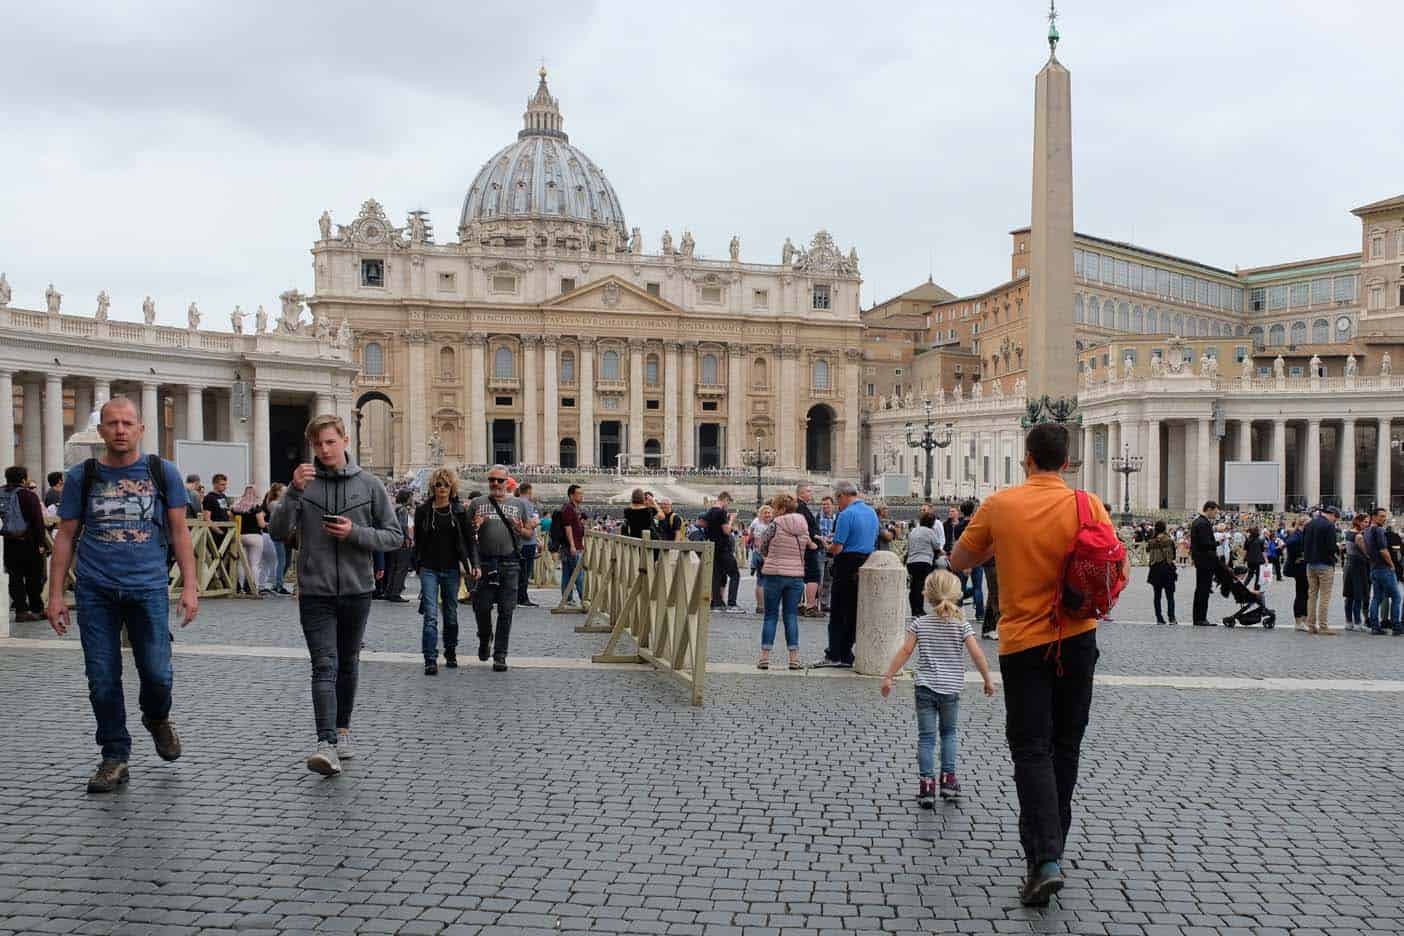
(541, 189)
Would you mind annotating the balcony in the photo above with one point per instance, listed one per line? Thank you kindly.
(711, 390)
(611, 386)
(508, 384)
(373, 380)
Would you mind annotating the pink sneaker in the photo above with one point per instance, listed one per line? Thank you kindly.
(926, 792)
(950, 786)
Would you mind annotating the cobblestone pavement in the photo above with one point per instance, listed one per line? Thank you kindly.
(589, 801)
(1131, 645)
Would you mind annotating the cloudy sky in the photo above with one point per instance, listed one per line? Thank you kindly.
(186, 149)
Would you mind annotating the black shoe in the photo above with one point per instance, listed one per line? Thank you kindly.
(164, 734)
(499, 666)
(400, 600)
(484, 648)
(1041, 884)
(451, 659)
(527, 604)
(431, 668)
(109, 776)
(1159, 621)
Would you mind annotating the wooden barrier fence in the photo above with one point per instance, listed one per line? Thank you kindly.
(656, 593)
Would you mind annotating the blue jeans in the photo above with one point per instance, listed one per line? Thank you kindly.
(1384, 585)
(102, 613)
(281, 576)
(438, 589)
(786, 590)
(528, 564)
(976, 591)
(568, 564)
(936, 713)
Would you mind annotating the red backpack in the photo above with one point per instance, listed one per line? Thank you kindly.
(1093, 569)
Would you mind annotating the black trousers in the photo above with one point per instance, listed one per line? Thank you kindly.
(496, 589)
(397, 566)
(843, 607)
(1045, 717)
(725, 576)
(1169, 592)
(334, 627)
(25, 567)
(1299, 598)
(990, 623)
(918, 571)
(1204, 574)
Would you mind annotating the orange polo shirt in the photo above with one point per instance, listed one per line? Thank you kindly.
(1031, 527)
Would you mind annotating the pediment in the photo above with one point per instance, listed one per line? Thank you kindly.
(610, 294)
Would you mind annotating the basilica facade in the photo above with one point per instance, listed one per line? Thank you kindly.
(548, 335)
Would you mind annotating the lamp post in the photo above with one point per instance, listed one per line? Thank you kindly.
(760, 459)
(1126, 465)
(928, 441)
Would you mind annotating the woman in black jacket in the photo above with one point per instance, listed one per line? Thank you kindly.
(443, 545)
(1253, 557)
(1296, 570)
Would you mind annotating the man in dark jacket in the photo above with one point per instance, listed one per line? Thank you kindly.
(1321, 546)
(1204, 553)
(22, 523)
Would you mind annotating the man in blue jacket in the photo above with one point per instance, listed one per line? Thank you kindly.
(1321, 549)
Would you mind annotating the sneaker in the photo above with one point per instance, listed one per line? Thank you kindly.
(926, 792)
(109, 776)
(527, 604)
(950, 786)
(164, 734)
(344, 750)
(451, 659)
(735, 609)
(1302, 626)
(431, 668)
(484, 647)
(499, 666)
(324, 760)
(1041, 884)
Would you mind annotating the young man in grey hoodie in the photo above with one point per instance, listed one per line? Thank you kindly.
(342, 516)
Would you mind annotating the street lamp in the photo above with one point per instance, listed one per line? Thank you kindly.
(758, 458)
(1126, 465)
(928, 442)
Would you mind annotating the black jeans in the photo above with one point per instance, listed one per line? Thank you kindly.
(1169, 592)
(1045, 717)
(725, 576)
(1204, 574)
(990, 622)
(397, 566)
(524, 579)
(334, 627)
(1299, 598)
(918, 572)
(843, 607)
(25, 567)
(497, 588)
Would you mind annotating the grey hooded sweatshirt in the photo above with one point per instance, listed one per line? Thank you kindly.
(326, 566)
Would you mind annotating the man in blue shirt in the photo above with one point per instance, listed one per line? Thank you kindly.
(855, 536)
(123, 531)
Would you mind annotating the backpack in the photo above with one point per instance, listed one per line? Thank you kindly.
(556, 538)
(696, 534)
(157, 474)
(1093, 573)
(12, 522)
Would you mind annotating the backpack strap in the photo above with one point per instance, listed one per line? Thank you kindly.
(90, 472)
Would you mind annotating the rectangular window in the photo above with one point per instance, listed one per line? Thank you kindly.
(1321, 291)
(821, 297)
(1257, 297)
(1148, 275)
(760, 299)
(1277, 298)
(568, 402)
(1077, 263)
(712, 294)
(1201, 291)
(1344, 289)
(652, 289)
(372, 272)
(1300, 295)
(1265, 372)
(1376, 297)
(650, 404)
(1294, 372)
(567, 284)
(1176, 286)
(1123, 274)
(502, 401)
(1162, 283)
(1136, 276)
(958, 369)
(504, 283)
(446, 282)
(1214, 295)
(1239, 353)
(1092, 265)
(871, 390)
(1377, 247)
(1401, 294)
(709, 406)
(1108, 269)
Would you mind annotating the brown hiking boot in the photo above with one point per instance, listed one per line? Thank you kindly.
(164, 734)
(109, 776)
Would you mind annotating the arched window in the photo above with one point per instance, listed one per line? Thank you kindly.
(1203, 328)
(1077, 308)
(709, 370)
(821, 374)
(1238, 331)
(1138, 319)
(503, 364)
(373, 360)
(609, 366)
(1256, 333)
(1299, 333)
(1123, 315)
(1277, 334)
(758, 374)
(651, 370)
(1320, 332)
(567, 455)
(567, 367)
(446, 367)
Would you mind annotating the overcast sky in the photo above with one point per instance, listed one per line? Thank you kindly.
(185, 150)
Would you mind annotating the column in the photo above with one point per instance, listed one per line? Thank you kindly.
(1206, 452)
(1345, 458)
(585, 445)
(1151, 467)
(738, 436)
(787, 391)
(851, 416)
(1382, 457)
(53, 422)
(7, 418)
(475, 378)
(102, 392)
(259, 429)
(1245, 440)
(325, 405)
(194, 414)
(1311, 452)
(687, 405)
(671, 455)
(33, 418)
(82, 404)
(416, 408)
(151, 417)
(531, 424)
(1113, 450)
(550, 420)
(1279, 455)
(636, 404)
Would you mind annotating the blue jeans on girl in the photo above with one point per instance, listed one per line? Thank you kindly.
(936, 714)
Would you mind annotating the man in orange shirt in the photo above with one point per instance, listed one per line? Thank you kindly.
(1047, 670)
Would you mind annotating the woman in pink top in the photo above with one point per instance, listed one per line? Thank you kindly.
(783, 544)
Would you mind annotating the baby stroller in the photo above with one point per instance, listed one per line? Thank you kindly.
(1252, 608)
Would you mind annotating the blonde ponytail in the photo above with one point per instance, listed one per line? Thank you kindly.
(943, 592)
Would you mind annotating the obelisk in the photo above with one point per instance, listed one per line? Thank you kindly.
(1052, 352)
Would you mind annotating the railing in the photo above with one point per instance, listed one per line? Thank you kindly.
(1221, 385)
(657, 593)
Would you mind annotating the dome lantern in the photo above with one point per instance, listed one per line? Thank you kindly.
(543, 113)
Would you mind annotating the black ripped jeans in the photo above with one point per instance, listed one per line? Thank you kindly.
(334, 627)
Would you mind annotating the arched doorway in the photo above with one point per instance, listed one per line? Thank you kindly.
(567, 453)
(709, 448)
(653, 454)
(819, 439)
(611, 443)
(374, 432)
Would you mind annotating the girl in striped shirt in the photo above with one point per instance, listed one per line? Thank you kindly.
(937, 638)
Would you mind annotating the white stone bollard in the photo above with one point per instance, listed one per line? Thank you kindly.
(882, 612)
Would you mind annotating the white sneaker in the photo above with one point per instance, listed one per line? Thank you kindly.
(324, 760)
(344, 750)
